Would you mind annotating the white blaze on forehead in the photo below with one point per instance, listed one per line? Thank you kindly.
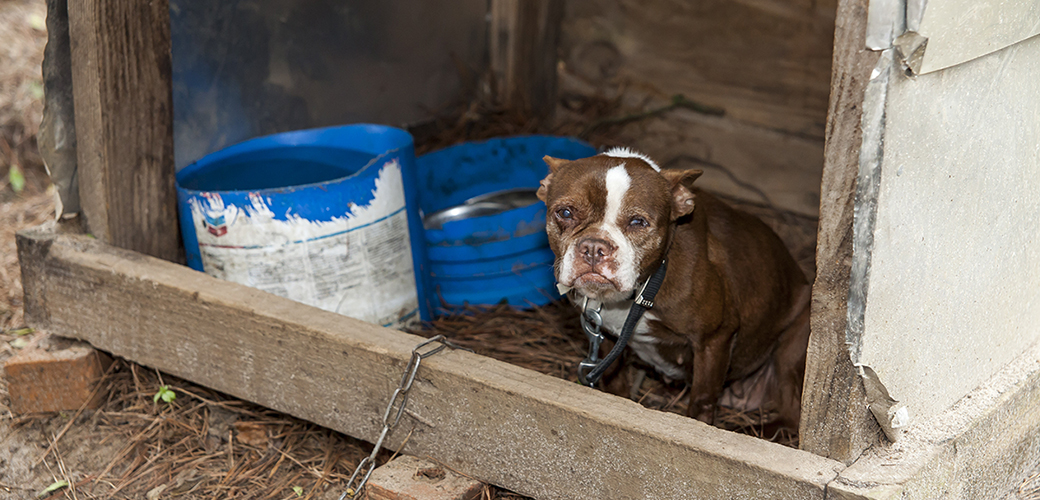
(628, 153)
(617, 183)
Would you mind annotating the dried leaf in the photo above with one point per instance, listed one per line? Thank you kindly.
(154, 493)
(252, 434)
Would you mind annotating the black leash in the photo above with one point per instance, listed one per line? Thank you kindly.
(643, 301)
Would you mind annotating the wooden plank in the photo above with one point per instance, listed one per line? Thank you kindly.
(124, 122)
(523, 35)
(835, 420)
(766, 62)
(532, 433)
(56, 137)
(787, 169)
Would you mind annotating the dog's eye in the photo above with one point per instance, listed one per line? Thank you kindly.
(564, 213)
(638, 222)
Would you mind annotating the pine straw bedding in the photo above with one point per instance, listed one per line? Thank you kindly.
(202, 445)
(549, 340)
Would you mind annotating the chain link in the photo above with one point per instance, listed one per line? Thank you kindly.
(398, 401)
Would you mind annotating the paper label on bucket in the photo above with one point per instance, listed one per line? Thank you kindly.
(358, 265)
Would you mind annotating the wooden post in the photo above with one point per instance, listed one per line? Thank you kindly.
(124, 122)
(523, 39)
(835, 420)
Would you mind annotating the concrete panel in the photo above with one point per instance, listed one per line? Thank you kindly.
(961, 30)
(936, 34)
(982, 447)
(954, 270)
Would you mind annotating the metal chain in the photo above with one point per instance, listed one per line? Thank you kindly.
(396, 408)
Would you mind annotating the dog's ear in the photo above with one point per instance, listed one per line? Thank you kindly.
(554, 165)
(681, 182)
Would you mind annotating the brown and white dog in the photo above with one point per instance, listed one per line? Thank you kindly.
(734, 305)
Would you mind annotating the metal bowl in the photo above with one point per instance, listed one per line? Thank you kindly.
(515, 198)
(437, 219)
(479, 206)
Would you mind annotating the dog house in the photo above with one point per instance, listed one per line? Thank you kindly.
(911, 129)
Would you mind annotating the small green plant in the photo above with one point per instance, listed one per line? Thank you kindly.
(36, 90)
(55, 486)
(298, 490)
(37, 22)
(16, 178)
(164, 393)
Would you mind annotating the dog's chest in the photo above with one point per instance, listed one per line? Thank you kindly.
(643, 342)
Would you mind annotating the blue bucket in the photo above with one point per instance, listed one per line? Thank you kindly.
(328, 217)
(504, 256)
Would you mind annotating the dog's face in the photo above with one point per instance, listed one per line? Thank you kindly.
(609, 219)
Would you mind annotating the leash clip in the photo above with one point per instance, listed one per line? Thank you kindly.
(591, 322)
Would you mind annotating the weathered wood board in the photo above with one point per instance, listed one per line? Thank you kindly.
(766, 62)
(529, 432)
(522, 39)
(124, 123)
(835, 420)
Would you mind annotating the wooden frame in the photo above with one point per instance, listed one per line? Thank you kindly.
(532, 433)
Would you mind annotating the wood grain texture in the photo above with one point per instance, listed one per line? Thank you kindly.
(537, 435)
(765, 62)
(124, 122)
(835, 420)
(523, 37)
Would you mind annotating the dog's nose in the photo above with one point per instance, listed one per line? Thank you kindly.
(595, 250)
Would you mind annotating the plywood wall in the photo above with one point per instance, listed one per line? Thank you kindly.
(766, 62)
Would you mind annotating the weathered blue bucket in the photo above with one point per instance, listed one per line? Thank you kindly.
(501, 256)
(328, 217)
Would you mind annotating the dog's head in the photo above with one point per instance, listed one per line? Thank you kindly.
(609, 219)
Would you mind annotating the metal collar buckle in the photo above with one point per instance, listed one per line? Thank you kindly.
(649, 304)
